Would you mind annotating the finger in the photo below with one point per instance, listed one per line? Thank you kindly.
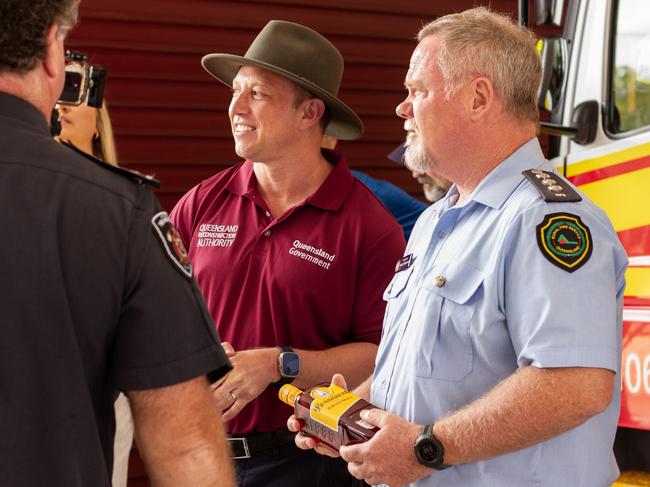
(215, 385)
(323, 449)
(375, 417)
(355, 470)
(352, 453)
(234, 410)
(339, 380)
(305, 442)
(228, 348)
(294, 424)
(222, 401)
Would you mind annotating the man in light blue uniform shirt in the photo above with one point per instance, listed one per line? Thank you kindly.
(481, 301)
(500, 353)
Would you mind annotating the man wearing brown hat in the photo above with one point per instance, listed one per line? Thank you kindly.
(291, 252)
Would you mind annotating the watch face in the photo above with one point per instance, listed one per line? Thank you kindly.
(290, 364)
(427, 450)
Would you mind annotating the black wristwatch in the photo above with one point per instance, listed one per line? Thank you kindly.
(429, 451)
(288, 364)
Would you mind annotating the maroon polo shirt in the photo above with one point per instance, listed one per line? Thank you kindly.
(313, 278)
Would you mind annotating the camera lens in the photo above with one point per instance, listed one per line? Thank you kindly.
(72, 87)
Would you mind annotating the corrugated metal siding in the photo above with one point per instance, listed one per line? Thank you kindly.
(170, 116)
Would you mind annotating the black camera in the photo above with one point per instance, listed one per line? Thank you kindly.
(83, 83)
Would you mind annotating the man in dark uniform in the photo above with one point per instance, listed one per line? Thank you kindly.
(95, 298)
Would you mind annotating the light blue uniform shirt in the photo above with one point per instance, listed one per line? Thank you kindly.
(502, 306)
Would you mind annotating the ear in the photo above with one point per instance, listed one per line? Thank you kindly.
(481, 97)
(54, 58)
(312, 111)
(54, 62)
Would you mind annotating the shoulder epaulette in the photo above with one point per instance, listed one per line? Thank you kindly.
(136, 176)
(552, 188)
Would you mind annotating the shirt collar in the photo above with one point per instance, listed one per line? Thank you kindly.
(243, 181)
(499, 184)
(335, 188)
(24, 112)
(329, 196)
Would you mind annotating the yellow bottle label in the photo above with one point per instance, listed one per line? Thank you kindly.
(329, 404)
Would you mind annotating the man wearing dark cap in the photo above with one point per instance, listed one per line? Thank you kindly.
(96, 296)
(291, 252)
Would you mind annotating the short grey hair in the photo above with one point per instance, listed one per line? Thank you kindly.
(67, 18)
(482, 42)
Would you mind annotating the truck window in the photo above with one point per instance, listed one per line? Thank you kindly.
(630, 67)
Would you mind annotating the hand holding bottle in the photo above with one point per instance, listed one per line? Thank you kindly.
(327, 415)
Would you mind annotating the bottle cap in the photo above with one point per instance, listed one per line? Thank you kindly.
(288, 394)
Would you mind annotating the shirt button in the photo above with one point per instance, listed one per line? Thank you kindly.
(267, 233)
(439, 281)
(267, 213)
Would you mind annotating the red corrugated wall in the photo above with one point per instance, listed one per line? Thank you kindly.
(170, 116)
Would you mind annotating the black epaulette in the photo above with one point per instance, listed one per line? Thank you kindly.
(136, 176)
(553, 188)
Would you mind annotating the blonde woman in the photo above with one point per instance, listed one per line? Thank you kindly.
(90, 130)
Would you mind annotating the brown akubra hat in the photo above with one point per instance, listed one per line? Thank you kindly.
(303, 56)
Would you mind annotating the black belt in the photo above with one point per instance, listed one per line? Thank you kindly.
(252, 444)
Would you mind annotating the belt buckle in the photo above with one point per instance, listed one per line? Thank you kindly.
(247, 452)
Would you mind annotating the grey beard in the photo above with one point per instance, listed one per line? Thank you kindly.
(416, 159)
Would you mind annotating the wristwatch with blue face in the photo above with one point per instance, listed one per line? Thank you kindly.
(429, 451)
(288, 364)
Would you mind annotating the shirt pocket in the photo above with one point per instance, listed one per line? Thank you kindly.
(444, 344)
(397, 284)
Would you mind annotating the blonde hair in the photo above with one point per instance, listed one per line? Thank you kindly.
(482, 42)
(104, 142)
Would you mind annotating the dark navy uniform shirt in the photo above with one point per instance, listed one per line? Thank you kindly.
(91, 303)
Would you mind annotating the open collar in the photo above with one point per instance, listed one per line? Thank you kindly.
(329, 196)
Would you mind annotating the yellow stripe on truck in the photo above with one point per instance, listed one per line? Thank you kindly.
(624, 198)
(626, 155)
(632, 479)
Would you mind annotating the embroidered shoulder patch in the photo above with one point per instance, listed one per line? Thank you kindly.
(564, 240)
(172, 243)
